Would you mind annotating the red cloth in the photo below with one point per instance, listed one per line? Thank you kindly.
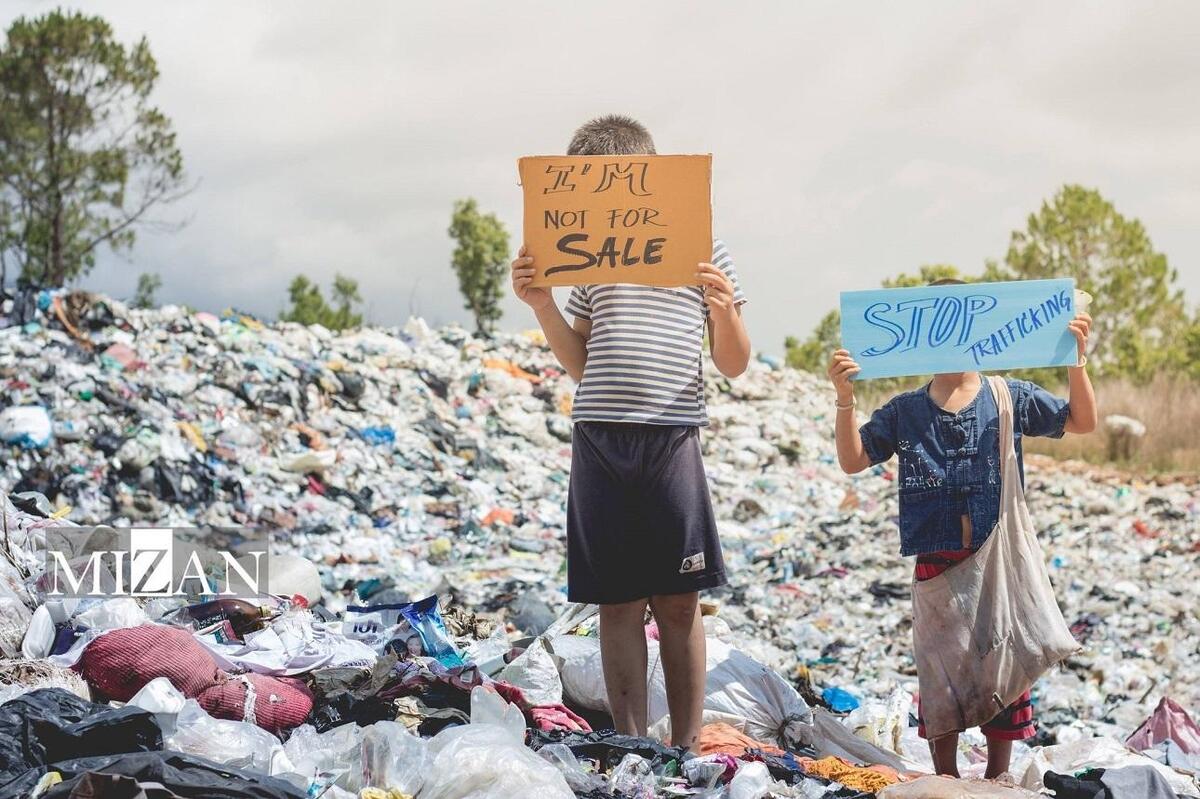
(120, 662)
(280, 703)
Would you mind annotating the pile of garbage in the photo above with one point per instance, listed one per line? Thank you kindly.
(416, 640)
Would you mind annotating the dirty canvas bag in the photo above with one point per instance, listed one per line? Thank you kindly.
(985, 629)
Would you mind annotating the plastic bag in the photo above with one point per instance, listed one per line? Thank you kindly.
(745, 693)
(393, 758)
(163, 700)
(1095, 753)
(562, 758)
(483, 761)
(752, 781)
(335, 753)
(535, 673)
(488, 655)
(231, 743)
(883, 723)
(413, 629)
(113, 614)
(487, 707)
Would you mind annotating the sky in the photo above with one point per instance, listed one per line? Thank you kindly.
(850, 141)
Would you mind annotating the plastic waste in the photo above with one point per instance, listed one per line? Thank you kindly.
(162, 699)
(29, 426)
(740, 690)
(293, 575)
(485, 761)
(1096, 753)
(233, 743)
(634, 778)
(393, 758)
(703, 772)
(468, 501)
(839, 699)
(579, 779)
(536, 673)
(752, 781)
(487, 707)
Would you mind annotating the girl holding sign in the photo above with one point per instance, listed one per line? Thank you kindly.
(985, 621)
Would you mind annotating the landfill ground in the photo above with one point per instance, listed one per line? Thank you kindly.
(437, 463)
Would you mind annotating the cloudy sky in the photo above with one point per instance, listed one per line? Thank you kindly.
(851, 141)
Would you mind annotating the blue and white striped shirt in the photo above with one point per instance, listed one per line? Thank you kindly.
(644, 353)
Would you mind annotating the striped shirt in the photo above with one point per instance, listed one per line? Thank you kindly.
(644, 352)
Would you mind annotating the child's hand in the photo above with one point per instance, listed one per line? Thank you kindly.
(522, 274)
(1080, 327)
(718, 291)
(841, 369)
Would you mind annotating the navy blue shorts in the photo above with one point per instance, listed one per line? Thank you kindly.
(639, 517)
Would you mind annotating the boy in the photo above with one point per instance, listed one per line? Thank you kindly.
(640, 525)
(947, 438)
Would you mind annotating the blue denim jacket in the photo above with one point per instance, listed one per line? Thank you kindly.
(950, 462)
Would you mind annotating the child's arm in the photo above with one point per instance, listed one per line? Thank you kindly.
(1082, 415)
(568, 343)
(852, 455)
(728, 340)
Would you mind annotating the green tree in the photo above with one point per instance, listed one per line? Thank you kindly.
(84, 155)
(480, 261)
(1140, 320)
(147, 287)
(309, 306)
(345, 294)
(812, 354)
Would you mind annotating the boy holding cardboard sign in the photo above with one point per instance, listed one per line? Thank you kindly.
(640, 524)
(989, 625)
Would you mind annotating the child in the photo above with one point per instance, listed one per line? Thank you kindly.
(947, 438)
(640, 525)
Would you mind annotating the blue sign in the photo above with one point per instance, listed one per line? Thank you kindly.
(960, 328)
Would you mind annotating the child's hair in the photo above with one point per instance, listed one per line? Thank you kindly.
(611, 135)
(948, 281)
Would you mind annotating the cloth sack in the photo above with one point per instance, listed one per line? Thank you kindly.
(985, 629)
(120, 662)
(273, 703)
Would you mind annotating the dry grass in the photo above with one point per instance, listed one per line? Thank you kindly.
(1168, 406)
(1170, 409)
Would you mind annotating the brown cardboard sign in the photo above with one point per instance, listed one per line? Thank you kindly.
(643, 219)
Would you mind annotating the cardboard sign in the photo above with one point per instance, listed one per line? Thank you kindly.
(960, 328)
(617, 219)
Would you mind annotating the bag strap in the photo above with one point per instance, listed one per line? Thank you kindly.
(1011, 492)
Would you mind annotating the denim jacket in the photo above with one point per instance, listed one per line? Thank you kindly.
(950, 462)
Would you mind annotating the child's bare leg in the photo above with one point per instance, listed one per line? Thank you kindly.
(681, 643)
(623, 655)
(999, 757)
(945, 754)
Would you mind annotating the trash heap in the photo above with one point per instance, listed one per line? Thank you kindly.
(417, 641)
